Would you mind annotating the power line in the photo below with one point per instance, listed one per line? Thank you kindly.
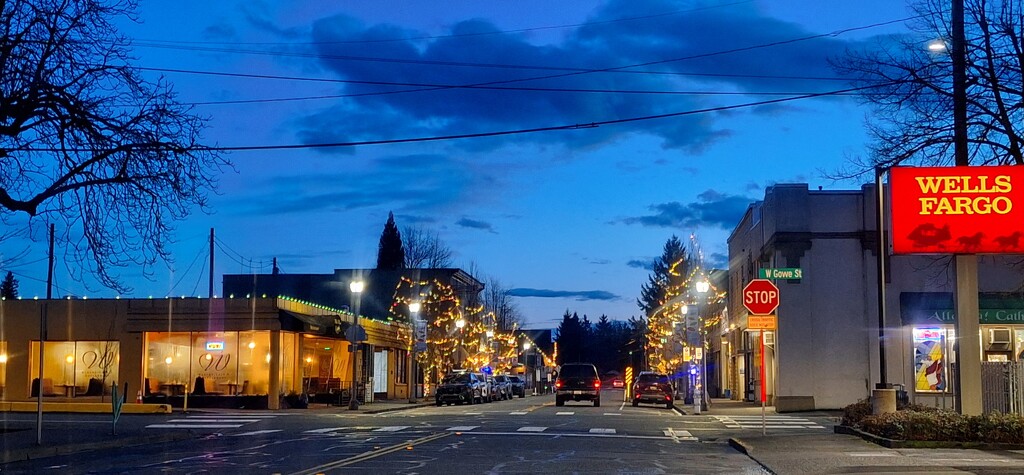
(506, 132)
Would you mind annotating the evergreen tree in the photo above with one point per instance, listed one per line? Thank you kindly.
(652, 294)
(570, 339)
(9, 287)
(390, 254)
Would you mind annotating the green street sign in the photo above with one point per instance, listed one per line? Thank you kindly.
(789, 273)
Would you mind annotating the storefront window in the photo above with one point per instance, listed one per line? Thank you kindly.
(219, 363)
(74, 368)
(930, 359)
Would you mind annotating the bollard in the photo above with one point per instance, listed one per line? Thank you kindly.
(883, 401)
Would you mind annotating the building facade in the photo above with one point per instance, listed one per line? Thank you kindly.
(826, 353)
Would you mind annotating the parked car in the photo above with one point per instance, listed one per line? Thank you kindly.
(577, 382)
(459, 388)
(518, 386)
(504, 386)
(651, 387)
(487, 387)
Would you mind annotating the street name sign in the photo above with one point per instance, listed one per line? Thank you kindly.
(761, 297)
(762, 322)
(789, 273)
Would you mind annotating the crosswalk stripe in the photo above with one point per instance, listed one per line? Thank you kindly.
(531, 429)
(391, 429)
(257, 432)
(224, 416)
(564, 413)
(517, 413)
(324, 430)
(462, 428)
(193, 426)
(602, 431)
(473, 413)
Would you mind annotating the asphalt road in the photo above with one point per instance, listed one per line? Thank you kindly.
(528, 435)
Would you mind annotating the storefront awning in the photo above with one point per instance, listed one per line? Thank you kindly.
(931, 308)
(324, 325)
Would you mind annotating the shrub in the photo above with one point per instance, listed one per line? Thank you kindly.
(942, 425)
(856, 412)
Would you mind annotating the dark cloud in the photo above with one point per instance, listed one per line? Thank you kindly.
(717, 260)
(642, 264)
(674, 44)
(712, 209)
(576, 295)
(474, 224)
(407, 181)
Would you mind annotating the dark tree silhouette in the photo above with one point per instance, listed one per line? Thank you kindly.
(9, 287)
(424, 249)
(390, 255)
(84, 139)
(910, 87)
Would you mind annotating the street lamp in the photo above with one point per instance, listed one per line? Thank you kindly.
(460, 323)
(356, 286)
(702, 288)
(414, 310)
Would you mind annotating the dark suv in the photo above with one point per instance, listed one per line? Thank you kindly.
(459, 388)
(518, 386)
(653, 388)
(577, 382)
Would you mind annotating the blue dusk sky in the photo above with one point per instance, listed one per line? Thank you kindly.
(567, 219)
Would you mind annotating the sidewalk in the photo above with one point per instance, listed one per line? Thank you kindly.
(780, 452)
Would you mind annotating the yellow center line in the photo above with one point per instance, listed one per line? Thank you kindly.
(372, 454)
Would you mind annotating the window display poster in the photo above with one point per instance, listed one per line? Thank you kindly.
(929, 359)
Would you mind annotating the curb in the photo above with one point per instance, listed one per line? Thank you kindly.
(922, 444)
(32, 453)
(747, 449)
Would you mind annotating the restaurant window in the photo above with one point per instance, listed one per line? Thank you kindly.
(401, 366)
(74, 368)
(217, 363)
(931, 358)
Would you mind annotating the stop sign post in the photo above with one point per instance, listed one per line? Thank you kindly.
(761, 297)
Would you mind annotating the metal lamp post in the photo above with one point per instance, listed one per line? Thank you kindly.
(414, 310)
(460, 324)
(702, 288)
(356, 287)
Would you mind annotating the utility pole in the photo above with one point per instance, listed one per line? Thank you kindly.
(210, 295)
(967, 348)
(42, 340)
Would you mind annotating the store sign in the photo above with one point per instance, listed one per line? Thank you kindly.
(957, 210)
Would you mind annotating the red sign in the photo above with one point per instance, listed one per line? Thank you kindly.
(957, 210)
(761, 297)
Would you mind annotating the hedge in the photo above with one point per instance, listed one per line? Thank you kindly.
(923, 423)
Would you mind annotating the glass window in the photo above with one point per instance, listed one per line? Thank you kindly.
(930, 359)
(75, 368)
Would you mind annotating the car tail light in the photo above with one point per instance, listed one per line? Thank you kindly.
(558, 384)
(597, 385)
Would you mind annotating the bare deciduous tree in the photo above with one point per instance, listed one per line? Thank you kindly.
(86, 140)
(913, 120)
(424, 249)
(498, 301)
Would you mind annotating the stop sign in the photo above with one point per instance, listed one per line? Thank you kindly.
(761, 297)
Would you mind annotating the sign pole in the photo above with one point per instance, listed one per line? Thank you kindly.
(764, 392)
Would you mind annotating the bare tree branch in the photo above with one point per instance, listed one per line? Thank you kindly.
(87, 141)
(424, 249)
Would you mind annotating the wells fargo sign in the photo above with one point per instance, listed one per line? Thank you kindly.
(957, 210)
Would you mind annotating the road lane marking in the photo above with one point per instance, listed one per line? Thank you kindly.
(564, 413)
(391, 429)
(373, 454)
(257, 432)
(223, 415)
(613, 413)
(193, 426)
(531, 429)
(517, 413)
(325, 430)
(215, 420)
(462, 428)
(602, 431)
(678, 435)
(472, 413)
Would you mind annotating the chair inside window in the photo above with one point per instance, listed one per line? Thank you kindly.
(95, 388)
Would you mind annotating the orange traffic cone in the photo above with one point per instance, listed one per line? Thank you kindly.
(138, 398)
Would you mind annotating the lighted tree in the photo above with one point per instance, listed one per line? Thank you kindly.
(662, 298)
